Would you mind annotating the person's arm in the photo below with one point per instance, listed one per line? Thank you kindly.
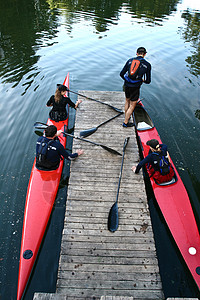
(164, 148)
(124, 70)
(143, 162)
(77, 103)
(50, 101)
(66, 154)
(168, 156)
(69, 101)
(147, 77)
(72, 104)
(76, 154)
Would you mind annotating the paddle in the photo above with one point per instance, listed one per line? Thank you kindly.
(40, 125)
(113, 220)
(116, 109)
(90, 131)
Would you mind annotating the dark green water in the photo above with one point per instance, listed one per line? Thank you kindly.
(40, 41)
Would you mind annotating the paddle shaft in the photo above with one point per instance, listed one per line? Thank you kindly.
(103, 123)
(90, 131)
(41, 125)
(120, 176)
(97, 144)
(115, 108)
(79, 138)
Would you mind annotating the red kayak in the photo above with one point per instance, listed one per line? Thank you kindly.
(41, 194)
(173, 200)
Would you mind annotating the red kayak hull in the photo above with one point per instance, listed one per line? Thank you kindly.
(175, 206)
(40, 197)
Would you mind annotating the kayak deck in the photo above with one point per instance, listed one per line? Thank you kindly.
(173, 201)
(41, 194)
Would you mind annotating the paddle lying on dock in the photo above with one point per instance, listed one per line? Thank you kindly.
(115, 108)
(90, 131)
(40, 125)
(113, 219)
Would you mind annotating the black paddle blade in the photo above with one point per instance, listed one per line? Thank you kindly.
(88, 132)
(70, 130)
(113, 218)
(39, 133)
(110, 150)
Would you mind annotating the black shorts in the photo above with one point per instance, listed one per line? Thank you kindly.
(132, 93)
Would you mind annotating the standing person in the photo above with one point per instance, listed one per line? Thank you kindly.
(136, 71)
(59, 102)
(49, 150)
(158, 162)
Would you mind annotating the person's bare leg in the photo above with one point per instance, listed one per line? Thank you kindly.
(129, 111)
(127, 104)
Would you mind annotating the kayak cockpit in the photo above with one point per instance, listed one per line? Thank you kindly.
(142, 119)
(167, 183)
(173, 180)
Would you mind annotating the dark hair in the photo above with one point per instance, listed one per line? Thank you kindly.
(50, 131)
(153, 144)
(62, 88)
(141, 50)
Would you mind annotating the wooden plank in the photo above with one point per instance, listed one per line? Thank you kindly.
(121, 284)
(116, 276)
(97, 293)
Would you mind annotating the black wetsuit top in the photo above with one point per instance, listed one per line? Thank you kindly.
(58, 111)
(61, 106)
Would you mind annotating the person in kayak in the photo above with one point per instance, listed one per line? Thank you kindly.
(49, 151)
(136, 71)
(158, 162)
(59, 102)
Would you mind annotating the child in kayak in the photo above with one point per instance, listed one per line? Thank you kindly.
(158, 164)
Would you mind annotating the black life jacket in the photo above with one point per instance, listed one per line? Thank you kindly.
(161, 163)
(42, 162)
(42, 150)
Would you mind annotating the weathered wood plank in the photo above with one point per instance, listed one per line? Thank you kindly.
(103, 246)
(143, 294)
(115, 276)
(111, 253)
(102, 239)
(121, 284)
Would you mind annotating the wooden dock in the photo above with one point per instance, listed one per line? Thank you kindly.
(95, 263)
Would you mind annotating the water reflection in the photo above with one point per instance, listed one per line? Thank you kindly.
(28, 26)
(191, 34)
(24, 28)
(197, 114)
(105, 12)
